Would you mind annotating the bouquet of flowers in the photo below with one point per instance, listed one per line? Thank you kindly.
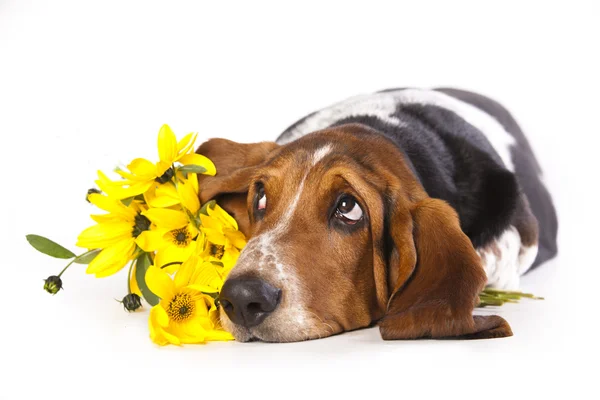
(178, 251)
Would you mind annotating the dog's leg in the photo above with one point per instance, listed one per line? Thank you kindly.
(512, 253)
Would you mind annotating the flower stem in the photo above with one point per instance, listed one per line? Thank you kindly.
(68, 265)
(75, 259)
(171, 263)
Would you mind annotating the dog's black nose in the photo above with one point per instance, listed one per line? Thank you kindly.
(248, 301)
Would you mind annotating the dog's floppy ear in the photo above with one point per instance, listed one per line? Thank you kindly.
(438, 276)
(235, 164)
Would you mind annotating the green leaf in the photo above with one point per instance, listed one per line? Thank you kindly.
(197, 169)
(142, 264)
(88, 257)
(210, 204)
(49, 247)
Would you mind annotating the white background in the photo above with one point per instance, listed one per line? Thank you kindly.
(86, 85)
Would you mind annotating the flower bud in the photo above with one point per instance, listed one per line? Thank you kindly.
(53, 284)
(131, 302)
(92, 191)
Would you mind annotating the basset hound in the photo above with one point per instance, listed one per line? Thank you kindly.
(394, 208)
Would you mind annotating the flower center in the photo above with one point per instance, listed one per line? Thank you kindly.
(166, 177)
(141, 224)
(217, 250)
(181, 237)
(181, 307)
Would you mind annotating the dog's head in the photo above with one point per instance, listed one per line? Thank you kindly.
(342, 235)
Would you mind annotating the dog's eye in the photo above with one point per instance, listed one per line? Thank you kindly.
(348, 210)
(261, 198)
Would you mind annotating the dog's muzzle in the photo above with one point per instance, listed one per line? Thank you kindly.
(248, 301)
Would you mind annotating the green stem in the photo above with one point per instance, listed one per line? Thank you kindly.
(75, 259)
(68, 265)
(171, 263)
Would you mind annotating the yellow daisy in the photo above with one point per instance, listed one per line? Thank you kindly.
(143, 175)
(221, 229)
(185, 314)
(116, 233)
(176, 237)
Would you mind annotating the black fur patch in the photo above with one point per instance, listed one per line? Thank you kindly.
(455, 162)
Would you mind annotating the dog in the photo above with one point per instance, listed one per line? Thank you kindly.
(394, 208)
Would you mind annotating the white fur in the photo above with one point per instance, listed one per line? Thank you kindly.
(500, 260)
(506, 259)
(372, 105)
(320, 153)
(383, 105)
(284, 221)
(527, 256)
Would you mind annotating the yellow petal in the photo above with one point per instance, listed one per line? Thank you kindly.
(167, 145)
(167, 218)
(157, 322)
(103, 235)
(111, 205)
(192, 179)
(112, 259)
(106, 218)
(218, 335)
(172, 338)
(236, 238)
(162, 196)
(213, 235)
(187, 269)
(159, 282)
(133, 285)
(142, 168)
(199, 159)
(222, 215)
(104, 182)
(124, 189)
(159, 314)
(189, 197)
(151, 240)
(156, 333)
(186, 144)
(203, 288)
(209, 222)
(129, 177)
(186, 333)
(174, 254)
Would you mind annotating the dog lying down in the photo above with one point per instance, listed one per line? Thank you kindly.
(394, 208)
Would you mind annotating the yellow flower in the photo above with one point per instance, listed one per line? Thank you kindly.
(221, 229)
(143, 175)
(217, 253)
(176, 237)
(185, 314)
(116, 233)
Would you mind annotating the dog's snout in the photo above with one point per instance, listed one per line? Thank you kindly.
(248, 301)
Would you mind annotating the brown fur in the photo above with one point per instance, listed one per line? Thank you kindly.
(408, 266)
(234, 162)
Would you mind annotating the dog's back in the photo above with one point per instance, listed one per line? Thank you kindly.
(467, 150)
